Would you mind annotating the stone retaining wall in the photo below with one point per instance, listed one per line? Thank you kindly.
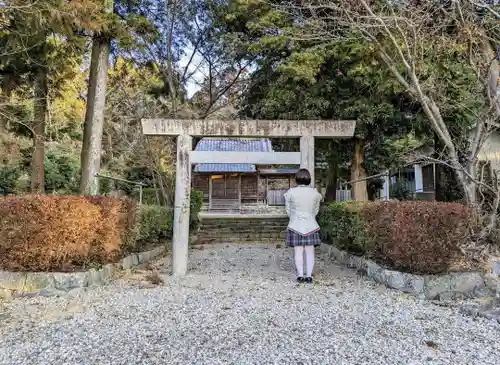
(252, 228)
(433, 287)
(19, 284)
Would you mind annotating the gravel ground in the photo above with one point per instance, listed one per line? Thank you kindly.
(240, 305)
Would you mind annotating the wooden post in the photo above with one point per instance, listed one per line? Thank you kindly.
(307, 156)
(385, 188)
(225, 185)
(209, 192)
(180, 240)
(419, 178)
(239, 189)
(266, 192)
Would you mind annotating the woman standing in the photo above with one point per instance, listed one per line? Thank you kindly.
(302, 206)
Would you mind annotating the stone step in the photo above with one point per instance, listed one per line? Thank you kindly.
(261, 222)
(239, 230)
(235, 238)
(242, 230)
(239, 233)
(208, 240)
(243, 225)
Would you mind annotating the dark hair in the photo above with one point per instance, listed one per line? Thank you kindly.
(303, 177)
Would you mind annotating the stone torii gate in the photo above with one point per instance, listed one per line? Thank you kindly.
(306, 130)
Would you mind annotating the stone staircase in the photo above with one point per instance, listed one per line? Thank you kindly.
(241, 228)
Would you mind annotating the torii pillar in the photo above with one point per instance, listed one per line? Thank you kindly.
(307, 156)
(306, 130)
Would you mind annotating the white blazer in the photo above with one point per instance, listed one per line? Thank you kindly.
(302, 206)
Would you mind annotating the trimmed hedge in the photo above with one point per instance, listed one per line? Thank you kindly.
(154, 225)
(195, 208)
(156, 222)
(58, 232)
(65, 233)
(412, 236)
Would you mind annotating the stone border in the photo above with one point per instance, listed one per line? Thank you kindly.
(21, 284)
(489, 310)
(432, 287)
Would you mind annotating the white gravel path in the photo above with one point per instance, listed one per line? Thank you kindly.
(240, 305)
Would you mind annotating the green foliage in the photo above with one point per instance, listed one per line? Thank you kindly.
(315, 68)
(304, 65)
(8, 179)
(148, 195)
(400, 191)
(105, 185)
(323, 79)
(61, 172)
(155, 223)
(195, 208)
(342, 224)
(138, 174)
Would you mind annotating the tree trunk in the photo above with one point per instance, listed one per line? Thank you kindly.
(359, 188)
(171, 8)
(39, 116)
(331, 187)
(155, 186)
(447, 187)
(94, 117)
(5, 101)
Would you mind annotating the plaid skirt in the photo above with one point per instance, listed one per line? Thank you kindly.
(296, 239)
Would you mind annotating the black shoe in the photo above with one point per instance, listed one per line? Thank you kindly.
(300, 279)
(309, 280)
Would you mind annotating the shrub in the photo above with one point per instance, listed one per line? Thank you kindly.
(118, 221)
(53, 233)
(195, 208)
(9, 175)
(401, 191)
(155, 223)
(413, 236)
(62, 170)
(342, 224)
(62, 233)
(149, 195)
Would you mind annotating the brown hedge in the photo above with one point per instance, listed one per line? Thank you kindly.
(418, 236)
(413, 236)
(47, 233)
(119, 219)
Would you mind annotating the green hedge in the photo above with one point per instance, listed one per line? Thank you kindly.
(412, 236)
(342, 225)
(155, 223)
(195, 208)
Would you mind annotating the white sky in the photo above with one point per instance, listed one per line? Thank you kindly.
(192, 85)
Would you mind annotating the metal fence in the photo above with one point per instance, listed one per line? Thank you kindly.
(343, 195)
